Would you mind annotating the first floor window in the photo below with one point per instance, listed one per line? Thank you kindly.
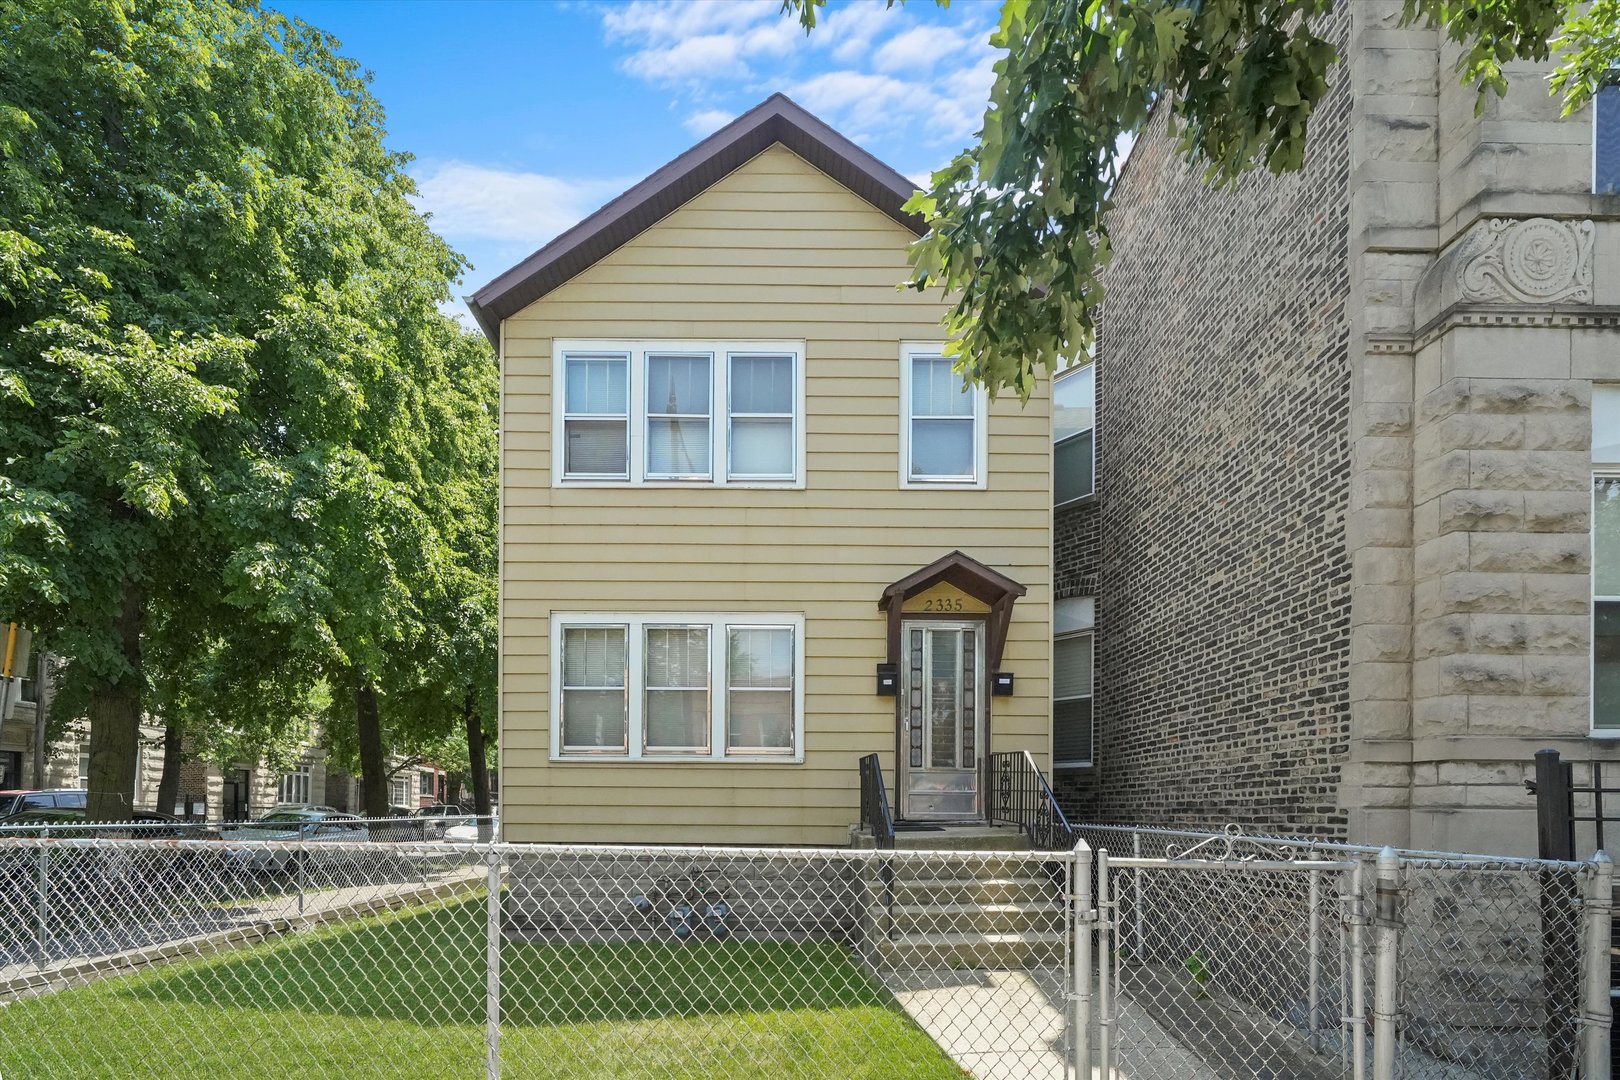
(399, 791)
(594, 711)
(425, 782)
(651, 687)
(294, 786)
(84, 770)
(1072, 728)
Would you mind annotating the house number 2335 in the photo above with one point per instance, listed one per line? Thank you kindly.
(943, 603)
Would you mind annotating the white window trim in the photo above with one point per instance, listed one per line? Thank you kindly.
(636, 624)
(981, 443)
(1598, 472)
(302, 777)
(637, 349)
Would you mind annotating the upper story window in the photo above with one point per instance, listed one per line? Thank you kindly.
(1074, 448)
(1073, 735)
(679, 413)
(678, 687)
(942, 429)
(1606, 140)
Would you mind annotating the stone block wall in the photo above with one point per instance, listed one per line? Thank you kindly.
(1223, 581)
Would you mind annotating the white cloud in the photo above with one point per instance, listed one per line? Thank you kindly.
(691, 42)
(848, 32)
(708, 121)
(920, 48)
(475, 202)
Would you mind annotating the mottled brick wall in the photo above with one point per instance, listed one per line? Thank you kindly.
(1223, 583)
(1076, 553)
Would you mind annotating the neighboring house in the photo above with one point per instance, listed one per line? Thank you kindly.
(737, 477)
(1354, 542)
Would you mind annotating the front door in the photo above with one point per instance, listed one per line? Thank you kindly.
(941, 720)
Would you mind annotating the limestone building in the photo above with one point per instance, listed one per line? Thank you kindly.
(1354, 547)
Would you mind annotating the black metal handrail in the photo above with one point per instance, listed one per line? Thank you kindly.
(1019, 795)
(875, 814)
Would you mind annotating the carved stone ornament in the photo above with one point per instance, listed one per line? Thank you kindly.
(1529, 261)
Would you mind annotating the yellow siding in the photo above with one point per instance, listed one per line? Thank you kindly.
(775, 251)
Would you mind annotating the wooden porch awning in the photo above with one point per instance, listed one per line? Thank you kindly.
(990, 587)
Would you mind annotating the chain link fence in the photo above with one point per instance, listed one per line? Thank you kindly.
(1140, 954)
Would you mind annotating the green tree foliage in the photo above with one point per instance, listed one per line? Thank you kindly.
(221, 360)
(1017, 223)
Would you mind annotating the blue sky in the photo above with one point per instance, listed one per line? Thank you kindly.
(525, 117)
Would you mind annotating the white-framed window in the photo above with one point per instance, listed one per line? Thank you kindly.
(294, 786)
(399, 791)
(427, 782)
(942, 422)
(1606, 139)
(1074, 443)
(1073, 727)
(83, 782)
(678, 687)
(1606, 560)
(677, 413)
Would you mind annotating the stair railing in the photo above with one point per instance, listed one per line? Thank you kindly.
(875, 813)
(1019, 795)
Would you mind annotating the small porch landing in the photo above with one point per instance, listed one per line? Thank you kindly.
(973, 836)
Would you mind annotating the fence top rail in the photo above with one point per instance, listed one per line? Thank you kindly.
(1130, 862)
(1306, 845)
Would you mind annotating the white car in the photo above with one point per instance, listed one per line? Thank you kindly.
(303, 824)
(465, 831)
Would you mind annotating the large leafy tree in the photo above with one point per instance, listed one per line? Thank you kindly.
(1018, 226)
(218, 316)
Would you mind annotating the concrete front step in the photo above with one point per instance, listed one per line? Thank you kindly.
(913, 952)
(920, 920)
(962, 888)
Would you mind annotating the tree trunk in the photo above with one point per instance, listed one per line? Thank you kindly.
(174, 758)
(452, 789)
(373, 773)
(115, 721)
(479, 766)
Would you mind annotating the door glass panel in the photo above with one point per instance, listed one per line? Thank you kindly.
(944, 697)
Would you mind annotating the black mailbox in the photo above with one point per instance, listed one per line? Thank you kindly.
(888, 680)
(1002, 684)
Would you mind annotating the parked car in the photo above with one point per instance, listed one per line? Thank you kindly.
(444, 810)
(465, 831)
(303, 824)
(17, 800)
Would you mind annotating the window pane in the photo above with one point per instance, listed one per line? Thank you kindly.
(1606, 138)
(762, 384)
(1606, 424)
(936, 390)
(593, 656)
(597, 384)
(593, 718)
(942, 448)
(595, 448)
(1071, 667)
(944, 696)
(759, 720)
(677, 656)
(1071, 731)
(1606, 664)
(1606, 536)
(1072, 469)
(678, 384)
(678, 447)
(762, 447)
(1073, 402)
(760, 657)
(677, 719)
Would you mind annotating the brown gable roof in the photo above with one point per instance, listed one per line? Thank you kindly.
(775, 120)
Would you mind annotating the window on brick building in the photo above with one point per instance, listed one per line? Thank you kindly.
(1072, 722)
(1074, 451)
(1606, 559)
(1606, 140)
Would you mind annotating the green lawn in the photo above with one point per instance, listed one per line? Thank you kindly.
(402, 995)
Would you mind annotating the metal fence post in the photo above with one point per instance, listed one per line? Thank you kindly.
(43, 912)
(1355, 1018)
(1136, 881)
(1597, 1009)
(1105, 959)
(1313, 966)
(1082, 918)
(1555, 807)
(492, 960)
(301, 875)
(1386, 978)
